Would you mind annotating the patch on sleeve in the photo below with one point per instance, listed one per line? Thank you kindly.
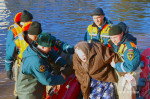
(130, 54)
(42, 68)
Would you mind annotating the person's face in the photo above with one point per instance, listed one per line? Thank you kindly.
(98, 20)
(33, 37)
(116, 38)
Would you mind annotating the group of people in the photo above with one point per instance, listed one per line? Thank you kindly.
(106, 63)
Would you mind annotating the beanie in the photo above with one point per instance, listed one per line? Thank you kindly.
(124, 27)
(46, 40)
(115, 30)
(26, 16)
(98, 11)
(35, 28)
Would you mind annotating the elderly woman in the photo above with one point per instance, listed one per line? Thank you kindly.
(91, 63)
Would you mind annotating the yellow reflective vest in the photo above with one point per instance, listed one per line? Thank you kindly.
(94, 34)
(19, 40)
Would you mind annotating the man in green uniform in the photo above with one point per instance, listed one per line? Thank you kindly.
(35, 71)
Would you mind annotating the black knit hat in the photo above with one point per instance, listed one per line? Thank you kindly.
(115, 30)
(35, 28)
(46, 40)
(26, 16)
(98, 11)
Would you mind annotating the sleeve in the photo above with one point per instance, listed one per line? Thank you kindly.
(64, 47)
(132, 60)
(44, 76)
(56, 58)
(11, 49)
(10, 38)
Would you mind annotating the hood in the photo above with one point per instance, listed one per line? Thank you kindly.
(128, 37)
(131, 38)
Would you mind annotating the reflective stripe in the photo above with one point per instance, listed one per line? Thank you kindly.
(20, 37)
(67, 48)
(106, 36)
(8, 61)
(122, 49)
(57, 59)
(122, 55)
(122, 67)
(94, 34)
(15, 25)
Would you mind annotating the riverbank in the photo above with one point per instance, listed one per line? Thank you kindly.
(6, 86)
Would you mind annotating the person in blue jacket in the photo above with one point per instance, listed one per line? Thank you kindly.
(11, 50)
(127, 70)
(98, 30)
(125, 45)
(22, 21)
(35, 71)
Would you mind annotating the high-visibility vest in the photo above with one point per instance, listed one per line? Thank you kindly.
(93, 31)
(23, 45)
(18, 30)
(20, 42)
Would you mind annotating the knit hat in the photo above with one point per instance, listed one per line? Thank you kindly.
(35, 28)
(98, 11)
(115, 30)
(26, 16)
(46, 40)
(124, 27)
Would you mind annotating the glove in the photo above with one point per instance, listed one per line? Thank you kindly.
(112, 63)
(67, 71)
(10, 74)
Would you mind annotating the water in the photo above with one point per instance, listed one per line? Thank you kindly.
(68, 19)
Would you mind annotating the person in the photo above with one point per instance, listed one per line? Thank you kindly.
(91, 63)
(35, 71)
(98, 30)
(22, 22)
(124, 44)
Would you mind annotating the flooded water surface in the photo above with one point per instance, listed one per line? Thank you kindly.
(68, 21)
